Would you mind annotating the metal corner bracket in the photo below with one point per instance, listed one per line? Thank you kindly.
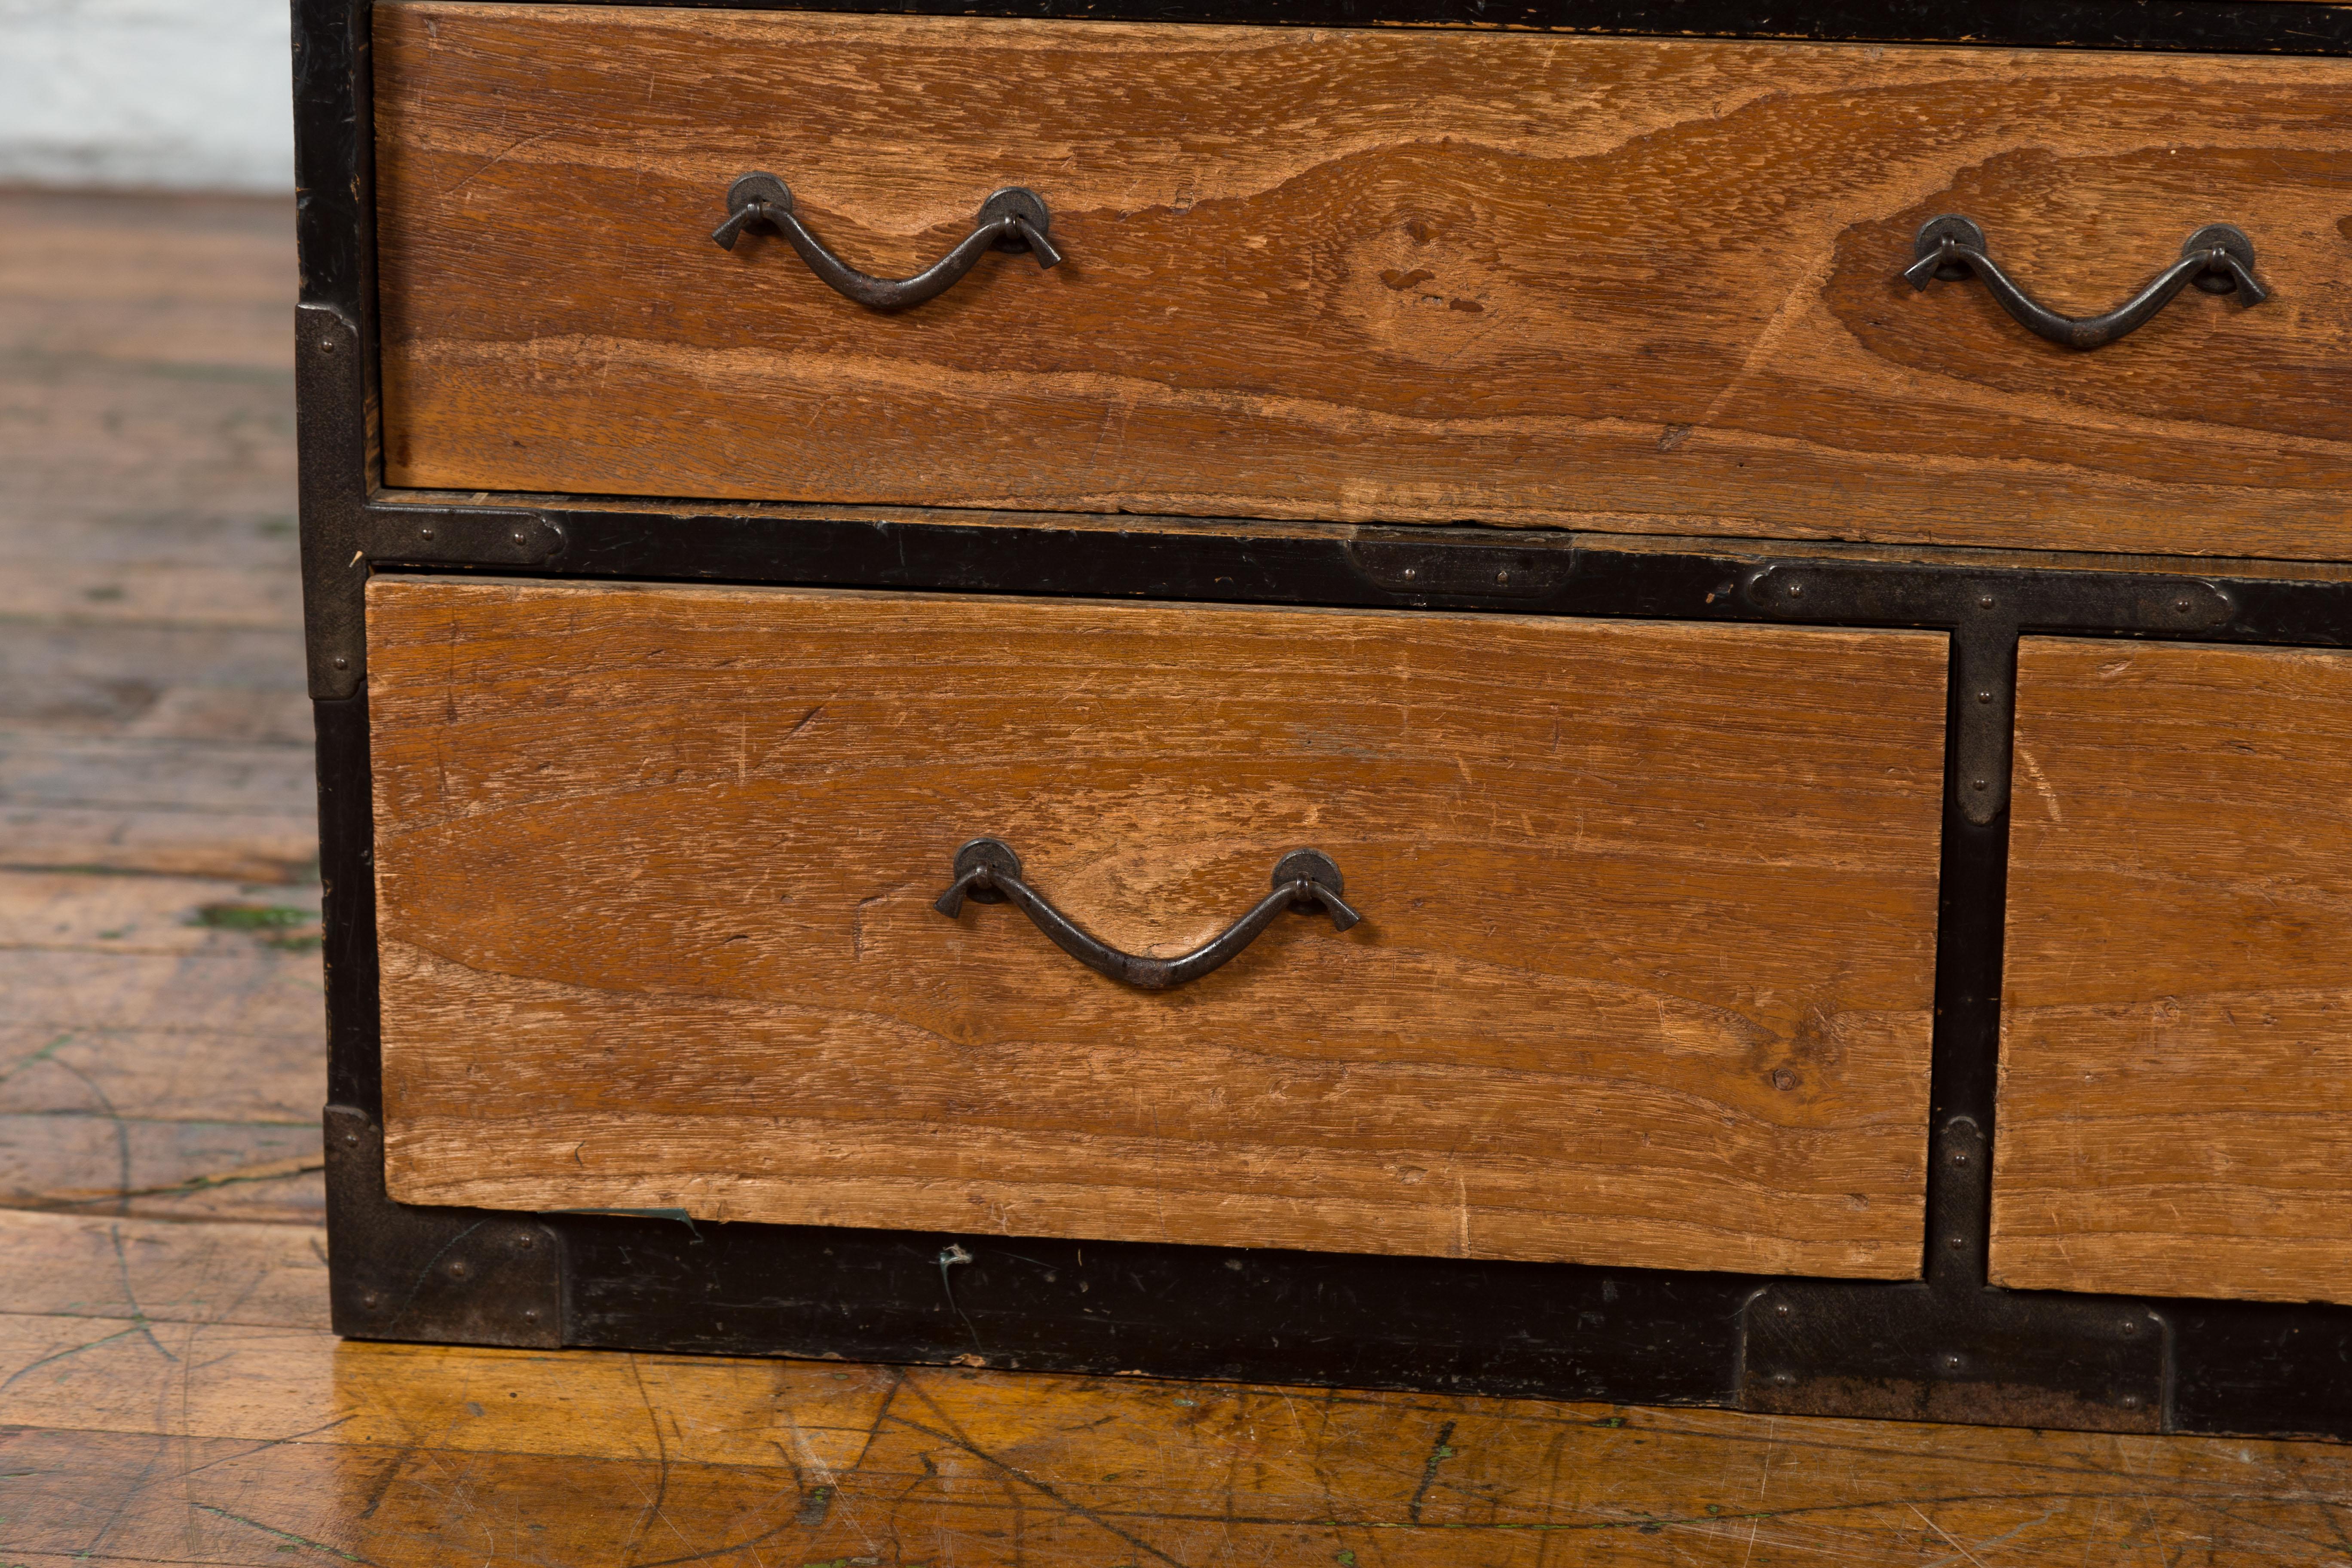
(446, 1275)
(346, 533)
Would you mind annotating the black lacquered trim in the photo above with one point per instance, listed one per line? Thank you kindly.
(2215, 26)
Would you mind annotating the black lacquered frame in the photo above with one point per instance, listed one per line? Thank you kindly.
(1947, 1346)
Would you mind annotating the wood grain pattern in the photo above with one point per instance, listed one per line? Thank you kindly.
(1366, 274)
(175, 1438)
(2176, 1100)
(1645, 977)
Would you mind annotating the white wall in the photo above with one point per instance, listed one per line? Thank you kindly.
(178, 94)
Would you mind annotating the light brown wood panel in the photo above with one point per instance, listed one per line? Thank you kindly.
(1644, 976)
(2175, 1097)
(1364, 274)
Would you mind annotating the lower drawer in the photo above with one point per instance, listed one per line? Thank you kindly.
(1644, 974)
(2176, 1096)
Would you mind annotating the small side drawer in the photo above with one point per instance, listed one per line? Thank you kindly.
(1644, 975)
(2176, 1093)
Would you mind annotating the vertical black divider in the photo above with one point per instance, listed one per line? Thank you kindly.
(1973, 906)
(347, 878)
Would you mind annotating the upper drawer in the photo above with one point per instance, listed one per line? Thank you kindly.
(1412, 276)
(1644, 974)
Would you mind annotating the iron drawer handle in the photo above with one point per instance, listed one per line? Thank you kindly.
(989, 872)
(1014, 219)
(2218, 258)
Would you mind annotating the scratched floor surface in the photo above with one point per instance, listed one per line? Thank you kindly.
(169, 1392)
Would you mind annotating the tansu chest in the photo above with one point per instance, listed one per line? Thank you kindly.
(1214, 687)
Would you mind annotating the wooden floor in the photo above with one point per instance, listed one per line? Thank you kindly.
(169, 1391)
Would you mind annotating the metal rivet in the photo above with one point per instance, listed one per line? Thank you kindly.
(1502, 576)
(1981, 784)
(518, 536)
(1783, 1079)
(2130, 1325)
(1796, 590)
(2180, 604)
(1411, 573)
(427, 532)
(351, 1140)
(530, 1314)
(369, 1298)
(1958, 1243)
(1984, 601)
(524, 1241)
(326, 345)
(457, 1269)
(1951, 1363)
(1784, 1378)
(1959, 1156)
(2130, 1402)
(342, 663)
(1781, 1309)
(1984, 696)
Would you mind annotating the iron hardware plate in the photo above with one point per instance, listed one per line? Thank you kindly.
(460, 1275)
(1902, 1353)
(346, 533)
(1988, 610)
(1950, 1348)
(1432, 572)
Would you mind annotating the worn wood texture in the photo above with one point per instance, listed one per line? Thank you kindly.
(152, 706)
(1404, 275)
(168, 1395)
(160, 1047)
(159, 1017)
(168, 1413)
(1646, 974)
(162, 1271)
(2175, 1099)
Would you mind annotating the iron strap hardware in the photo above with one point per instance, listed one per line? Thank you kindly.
(468, 1276)
(1987, 609)
(988, 871)
(348, 533)
(1947, 1348)
(1014, 219)
(2219, 258)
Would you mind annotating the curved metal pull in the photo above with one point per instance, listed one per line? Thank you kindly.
(988, 871)
(2219, 258)
(1014, 219)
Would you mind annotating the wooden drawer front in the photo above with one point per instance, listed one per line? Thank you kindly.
(2176, 1094)
(1411, 275)
(1644, 975)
